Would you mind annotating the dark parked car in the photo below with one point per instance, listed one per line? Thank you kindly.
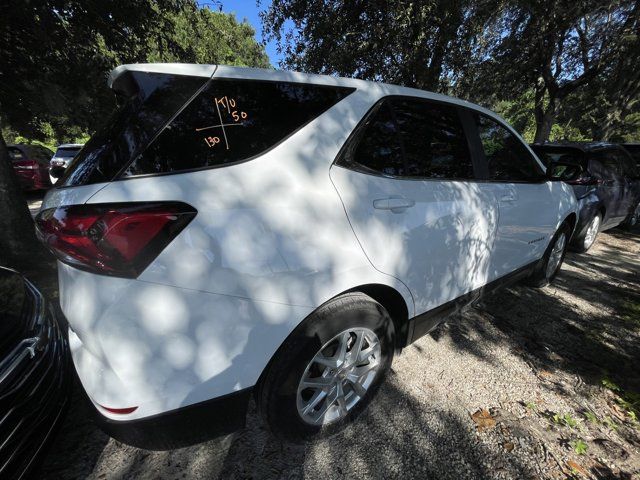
(605, 180)
(34, 380)
(634, 151)
(31, 164)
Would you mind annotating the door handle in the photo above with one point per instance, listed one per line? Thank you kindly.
(508, 196)
(395, 204)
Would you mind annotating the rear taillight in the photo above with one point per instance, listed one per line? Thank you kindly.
(25, 165)
(119, 239)
(585, 179)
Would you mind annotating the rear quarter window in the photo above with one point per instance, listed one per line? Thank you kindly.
(154, 99)
(15, 154)
(232, 121)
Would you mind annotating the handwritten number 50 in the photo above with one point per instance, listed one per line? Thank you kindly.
(237, 116)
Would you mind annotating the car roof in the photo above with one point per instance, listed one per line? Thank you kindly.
(25, 146)
(582, 146)
(225, 71)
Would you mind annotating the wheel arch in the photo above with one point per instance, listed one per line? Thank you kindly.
(572, 220)
(394, 303)
(389, 297)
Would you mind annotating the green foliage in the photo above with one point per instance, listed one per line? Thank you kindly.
(423, 44)
(564, 70)
(591, 417)
(609, 422)
(608, 383)
(628, 401)
(579, 446)
(205, 36)
(565, 420)
(58, 93)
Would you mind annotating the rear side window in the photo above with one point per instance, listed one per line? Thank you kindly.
(234, 120)
(411, 137)
(151, 100)
(566, 163)
(607, 164)
(15, 154)
(507, 157)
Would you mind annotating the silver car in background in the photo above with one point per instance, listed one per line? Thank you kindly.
(62, 158)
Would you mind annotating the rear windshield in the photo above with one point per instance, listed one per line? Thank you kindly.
(564, 155)
(67, 152)
(151, 102)
(234, 120)
(634, 150)
(566, 163)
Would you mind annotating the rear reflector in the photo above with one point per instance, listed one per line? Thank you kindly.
(25, 165)
(119, 239)
(119, 411)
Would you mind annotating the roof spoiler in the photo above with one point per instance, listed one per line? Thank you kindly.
(123, 84)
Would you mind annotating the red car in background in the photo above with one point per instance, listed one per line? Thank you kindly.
(31, 164)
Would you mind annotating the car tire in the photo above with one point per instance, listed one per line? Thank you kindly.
(584, 242)
(316, 369)
(549, 266)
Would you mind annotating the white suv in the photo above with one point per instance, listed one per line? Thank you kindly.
(234, 231)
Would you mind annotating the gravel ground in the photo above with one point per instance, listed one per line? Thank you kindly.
(511, 388)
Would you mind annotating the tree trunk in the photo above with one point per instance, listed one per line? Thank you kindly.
(545, 117)
(19, 247)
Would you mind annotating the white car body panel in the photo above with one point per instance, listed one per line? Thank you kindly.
(440, 247)
(274, 238)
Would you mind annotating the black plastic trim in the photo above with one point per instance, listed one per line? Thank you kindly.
(425, 322)
(184, 426)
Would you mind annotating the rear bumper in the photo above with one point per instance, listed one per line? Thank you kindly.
(184, 426)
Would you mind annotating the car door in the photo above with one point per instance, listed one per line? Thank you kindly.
(631, 175)
(612, 189)
(406, 179)
(528, 211)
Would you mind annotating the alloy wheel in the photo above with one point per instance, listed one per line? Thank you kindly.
(555, 257)
(592, 232)
(338, 376)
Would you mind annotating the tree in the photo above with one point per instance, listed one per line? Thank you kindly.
(205, 36)
(489, 52)
(416, 44)
(554, 48)
(53, 53)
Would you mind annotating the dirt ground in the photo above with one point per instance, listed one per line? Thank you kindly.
(528, 384)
